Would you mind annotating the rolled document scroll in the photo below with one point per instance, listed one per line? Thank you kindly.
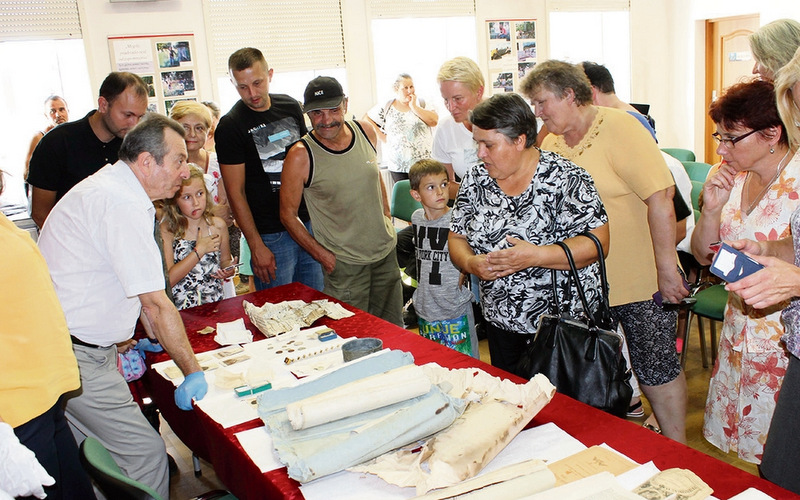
(499, 409)
(513, 481)
(360, 396)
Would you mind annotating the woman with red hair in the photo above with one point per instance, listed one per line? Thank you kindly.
(752, 196)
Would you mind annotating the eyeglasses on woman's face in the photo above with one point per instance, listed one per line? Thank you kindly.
(730, 142)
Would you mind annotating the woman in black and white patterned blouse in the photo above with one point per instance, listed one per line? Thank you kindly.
(508, 215)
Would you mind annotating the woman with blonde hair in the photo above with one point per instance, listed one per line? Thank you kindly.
(787, 92)
(461, 84)
(773, 45)
(196, 121)
(196, 247)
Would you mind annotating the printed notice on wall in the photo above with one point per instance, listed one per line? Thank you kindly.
(133, 55)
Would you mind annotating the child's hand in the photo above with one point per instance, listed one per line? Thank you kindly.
(226, 272)
(206, 244)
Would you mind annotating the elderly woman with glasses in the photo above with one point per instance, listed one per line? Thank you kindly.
(752, 195)
(778, 283)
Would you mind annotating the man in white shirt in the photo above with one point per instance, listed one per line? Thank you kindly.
(106, 268)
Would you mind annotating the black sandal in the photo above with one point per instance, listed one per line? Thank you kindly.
(636, 410)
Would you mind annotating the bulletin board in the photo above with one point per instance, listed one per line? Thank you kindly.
(512, 52)
(166, 63)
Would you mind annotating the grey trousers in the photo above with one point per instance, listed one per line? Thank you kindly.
(104, 409)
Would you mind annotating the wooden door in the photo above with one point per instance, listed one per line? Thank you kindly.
(728, 61)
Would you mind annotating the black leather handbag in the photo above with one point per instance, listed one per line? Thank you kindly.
(582, 357)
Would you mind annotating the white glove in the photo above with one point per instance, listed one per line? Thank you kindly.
(20, 473)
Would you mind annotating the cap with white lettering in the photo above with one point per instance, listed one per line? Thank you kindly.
(323, 92)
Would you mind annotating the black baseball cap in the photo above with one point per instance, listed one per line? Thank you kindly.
(323, 92)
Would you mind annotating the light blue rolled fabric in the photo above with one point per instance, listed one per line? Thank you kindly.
(332, 447)
(383, 361)
(335, 446)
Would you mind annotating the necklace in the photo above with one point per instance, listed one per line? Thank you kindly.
(755, 200)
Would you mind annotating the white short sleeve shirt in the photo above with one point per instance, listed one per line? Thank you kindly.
(98, 243)
(453, 144)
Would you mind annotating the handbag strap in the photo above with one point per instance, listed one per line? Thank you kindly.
(578, 286)
(605, 308)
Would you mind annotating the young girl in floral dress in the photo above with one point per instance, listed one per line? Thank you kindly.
(196, 247)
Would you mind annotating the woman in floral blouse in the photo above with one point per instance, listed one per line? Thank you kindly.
(752, 195)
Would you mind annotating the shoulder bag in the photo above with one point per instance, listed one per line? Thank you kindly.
(582, 357)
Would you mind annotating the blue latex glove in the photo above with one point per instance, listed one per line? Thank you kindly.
(145, 345)
(194, 386)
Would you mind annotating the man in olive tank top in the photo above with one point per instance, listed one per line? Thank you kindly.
(335, 169)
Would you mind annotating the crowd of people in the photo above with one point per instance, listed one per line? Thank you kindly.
(136, 212)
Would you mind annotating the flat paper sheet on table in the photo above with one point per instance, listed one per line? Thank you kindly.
(268, 357)
(257, 443)
(599, 486)
(589, 462)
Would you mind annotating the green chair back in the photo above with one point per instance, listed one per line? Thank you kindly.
(697, 188)
(711, 302)
(698, 171)
(403, 205)
(680, 154)
(102, 468)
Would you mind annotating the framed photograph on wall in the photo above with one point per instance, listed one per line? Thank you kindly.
(512, 52)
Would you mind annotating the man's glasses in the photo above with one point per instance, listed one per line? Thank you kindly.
(731, 142)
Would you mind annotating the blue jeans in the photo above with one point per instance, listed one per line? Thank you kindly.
(292, 262)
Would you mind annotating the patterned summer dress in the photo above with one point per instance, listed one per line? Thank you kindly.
(198, 287)
(752, 360)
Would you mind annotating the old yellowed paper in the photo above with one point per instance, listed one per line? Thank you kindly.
(589, 462)
(682, 483)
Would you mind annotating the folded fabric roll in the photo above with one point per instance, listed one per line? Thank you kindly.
(360, 396)
(277, 400)
(330, 447)
(498, 410)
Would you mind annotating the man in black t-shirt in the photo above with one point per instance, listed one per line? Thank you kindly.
(73, 151)
(251, 142)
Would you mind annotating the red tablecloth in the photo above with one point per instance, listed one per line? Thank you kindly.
(590, 426)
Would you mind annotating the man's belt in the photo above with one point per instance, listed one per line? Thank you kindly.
(77, 341)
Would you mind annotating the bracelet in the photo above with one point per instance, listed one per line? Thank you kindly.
(198, 255)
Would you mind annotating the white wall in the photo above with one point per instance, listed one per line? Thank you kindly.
(667, 47)
(101, 19)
